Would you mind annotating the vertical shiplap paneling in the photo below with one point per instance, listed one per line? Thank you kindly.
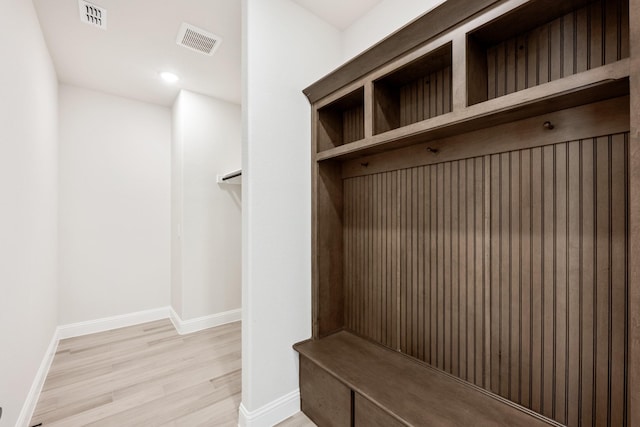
(463, 276)
(446, 267)
(425, 97)
(618, 276)
(433, 264)
(548, 301)
(560, 282)
(526, 288)
(515, 279)
(536, 264)
(352, 124)
(587, 285)
(574, 281)
(587, 38)
(348, 254)
(439, 266)
(395, 301)
(454, 272)
(568, 38)
(508, 271)
(481, 271)
(504, 297)
(602, 289)
(495, 284)
(404, 257)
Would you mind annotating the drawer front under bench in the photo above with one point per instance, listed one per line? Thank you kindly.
(328, 402)
(324, 399)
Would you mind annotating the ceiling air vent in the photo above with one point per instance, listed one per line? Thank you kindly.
(197, 39)
(93, 15)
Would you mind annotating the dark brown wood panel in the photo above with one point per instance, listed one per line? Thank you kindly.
(353, 124)
(412, 35)
(341, 122)
(592, 36)
(425, 97)
(328, 247)
(367, 414)
(418, 91)
(414, 393)
(539, 234)
(323, 398)
(633, 297)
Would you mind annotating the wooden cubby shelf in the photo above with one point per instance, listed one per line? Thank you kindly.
(475, 219)
(543, 41)
(342, 121)
(602, 83)
(417, 91)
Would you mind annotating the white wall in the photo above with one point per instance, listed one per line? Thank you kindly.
(206, 254)
(384, 19)
(285, 49)
(177, 134)
(28, 203)
(115, 172)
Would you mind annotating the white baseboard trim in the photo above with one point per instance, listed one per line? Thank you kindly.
(205, 322)
(271, 413)
(114, 322)
(36, 387)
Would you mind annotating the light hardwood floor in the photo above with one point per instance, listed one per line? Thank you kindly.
(144, 375)
(298, 420)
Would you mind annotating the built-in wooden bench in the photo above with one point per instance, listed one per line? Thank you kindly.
(353, 381)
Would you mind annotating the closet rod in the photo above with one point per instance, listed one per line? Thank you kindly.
(232, 175)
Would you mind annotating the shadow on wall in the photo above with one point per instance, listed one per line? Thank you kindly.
(235, 192)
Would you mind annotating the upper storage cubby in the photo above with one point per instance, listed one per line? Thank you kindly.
(542, 41)
(341, 121)
(415, 92)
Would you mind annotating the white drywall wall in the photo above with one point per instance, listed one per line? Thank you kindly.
(206, 232)
(285, 49)
(177, 135)
(115, 183)
(384, 19)
(28, 204)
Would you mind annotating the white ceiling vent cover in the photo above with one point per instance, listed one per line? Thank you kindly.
(93, 15)
(197, 39)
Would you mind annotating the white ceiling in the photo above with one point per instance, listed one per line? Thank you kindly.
(140, 42)
(339, 13)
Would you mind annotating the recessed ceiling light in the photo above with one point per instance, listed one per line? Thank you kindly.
(169, 77)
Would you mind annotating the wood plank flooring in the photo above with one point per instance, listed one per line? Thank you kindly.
(298, 420)
(144, 375)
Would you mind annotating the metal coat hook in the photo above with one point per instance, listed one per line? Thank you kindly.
(365, 164)
(432, 150)
(548, 125)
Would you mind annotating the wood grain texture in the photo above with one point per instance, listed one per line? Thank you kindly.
(601, 118)
(415, 92)
(324, 399)
(633, 301)
(425, 97)
(555, 261)
(341, 122)
(503, 256)
(297, 420)
(586, 38)
(327, 249)
(386, 378)
(606, 82)
(412, 35)
(366, 414)
(144, 375)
